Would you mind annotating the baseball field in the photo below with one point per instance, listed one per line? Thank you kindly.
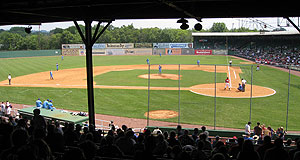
(121, 88)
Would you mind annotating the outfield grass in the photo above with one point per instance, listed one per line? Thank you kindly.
(195, 109)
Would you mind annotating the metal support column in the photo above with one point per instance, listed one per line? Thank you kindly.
(178, 94)
(288, 100)
(89, 42)
(148, 95)
(250, 116)
(215, 111)
(89, 71)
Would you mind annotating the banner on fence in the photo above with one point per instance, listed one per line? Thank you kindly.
(203, 52)
(173, 51)
(143, 45)
(187, 51)
(161, 45)
(119, 45)
(181, 45)
(72, 46)
(115, 52)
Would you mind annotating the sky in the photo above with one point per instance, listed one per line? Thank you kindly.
(171, 23)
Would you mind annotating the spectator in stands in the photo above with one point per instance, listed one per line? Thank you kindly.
(179, 130)
(89, 149)
(265, 146)
(195, 134)
(161, 145)
(185, 139)
(258, 130)
(207, 144)
(126, 143)
(8, 110)
(204, 131)
(19, 137)
(54, 139)
(247, 128)
(293, 151)
(109, 149)
(236, 149)
(73, 153)
(277, 152)
(70, 136)
(172, 140)
(3, 110)
(58, 129)
(248, 152)
(199, 153)
(38, 121)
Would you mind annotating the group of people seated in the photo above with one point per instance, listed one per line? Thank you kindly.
(279, 56)
(47, 104)
(6, 108)
(40, 139)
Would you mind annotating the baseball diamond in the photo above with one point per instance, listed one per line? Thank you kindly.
(121, 84)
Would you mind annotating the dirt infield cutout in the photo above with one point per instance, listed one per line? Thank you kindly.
(161, 114)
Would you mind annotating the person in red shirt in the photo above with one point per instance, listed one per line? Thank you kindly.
(227, 83)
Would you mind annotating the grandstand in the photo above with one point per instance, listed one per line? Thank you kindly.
(275, 48)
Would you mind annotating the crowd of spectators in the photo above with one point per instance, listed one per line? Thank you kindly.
(280, 55)
(38, 139)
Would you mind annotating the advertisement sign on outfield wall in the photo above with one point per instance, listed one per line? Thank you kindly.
(173, 51)
(99, 46)
(143, 45)
(181, 45)
(187, 51)
(203, 52)
(161, 45)
(115, 52)
(138, 51)
(156, 51)
(119, 45)
(72, 46)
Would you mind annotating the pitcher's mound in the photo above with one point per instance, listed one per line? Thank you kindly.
(161, 114)
(160, 76)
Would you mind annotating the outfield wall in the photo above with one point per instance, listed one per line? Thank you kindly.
(139, 49)
(29, 53)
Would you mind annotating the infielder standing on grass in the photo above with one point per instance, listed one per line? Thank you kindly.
(9, 79)
(159, 69)
(227, 83)
(198, 63)
(56, 66)
(51, 75)
(147, 61)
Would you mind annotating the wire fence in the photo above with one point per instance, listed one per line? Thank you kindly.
(198, 94)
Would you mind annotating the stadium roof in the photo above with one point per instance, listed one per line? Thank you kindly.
(219, 34)
(42, 11)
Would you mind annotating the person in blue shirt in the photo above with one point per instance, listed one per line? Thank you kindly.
(38, 103)
(198, 62)
(56, 66)
(51, 75)
(147, 61)
(240, 88)
(159, 69)
(45, 104)
(50, 105)
(62, 57)
(160, 54)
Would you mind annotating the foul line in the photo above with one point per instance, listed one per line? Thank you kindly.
(234, 74)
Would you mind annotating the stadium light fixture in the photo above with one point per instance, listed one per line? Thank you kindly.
(198, 27)
(184, 24)
(28, 29)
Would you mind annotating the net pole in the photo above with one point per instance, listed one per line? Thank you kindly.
(148, 95)
(215, 110)
(250, 116)
(288, 100)
(178, 94)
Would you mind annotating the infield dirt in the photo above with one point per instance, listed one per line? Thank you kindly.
(76, 78)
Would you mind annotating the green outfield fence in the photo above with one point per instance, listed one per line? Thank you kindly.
(277, 107)
(29, 53)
